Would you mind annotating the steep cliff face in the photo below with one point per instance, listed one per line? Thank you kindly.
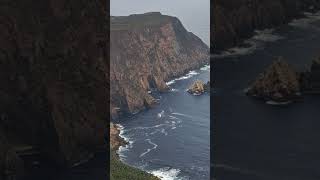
(311, 79)
(146, 51)
(53, 76)
(234, 20)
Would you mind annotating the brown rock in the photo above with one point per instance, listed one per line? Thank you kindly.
(280, 82)
(115, 140)
(146, 51)
(310, 80)
(198, 87)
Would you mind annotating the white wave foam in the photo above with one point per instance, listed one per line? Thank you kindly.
(266, 35)
(150, 127)
(150, 149)
(278, 103)
(238, 51)
(129, 144)
(255, 42)
(122, 131)
(174, 90)
(161, 114)
(307, 21)
(205, 68)
(163, 131)
(167, 173)
(180, 114)
(173, 117)
(187, 76)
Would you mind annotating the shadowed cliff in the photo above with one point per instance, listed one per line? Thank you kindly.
(235, 20)
(54, 79)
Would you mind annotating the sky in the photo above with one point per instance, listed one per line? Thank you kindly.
(194, 14)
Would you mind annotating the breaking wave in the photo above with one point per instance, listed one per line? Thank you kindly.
(307, 21)
(167, 173)
(187, 76)
(122, 149)
(149, 149)
(257, 41)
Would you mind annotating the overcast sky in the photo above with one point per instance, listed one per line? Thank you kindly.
(194, 14)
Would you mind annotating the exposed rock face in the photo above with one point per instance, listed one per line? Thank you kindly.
(279, 83)
(115, 140)
(235, 20)
(53, 77)
(207, 87)
(198, 87)
(146, 51)
(310, 81)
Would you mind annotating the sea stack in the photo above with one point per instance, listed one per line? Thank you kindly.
(310, 80)
(198, 87)
(279, 83)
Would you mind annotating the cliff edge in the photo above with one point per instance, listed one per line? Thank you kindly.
(146, 51)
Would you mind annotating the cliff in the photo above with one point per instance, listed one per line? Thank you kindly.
(235, 20)
(146, 51)
(311, 78)
(54, 79)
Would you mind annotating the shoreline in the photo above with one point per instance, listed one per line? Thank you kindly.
(259, 37)
(116, 142)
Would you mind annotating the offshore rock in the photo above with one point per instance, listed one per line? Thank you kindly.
(198, 87)
(279, 83)
(310, 80)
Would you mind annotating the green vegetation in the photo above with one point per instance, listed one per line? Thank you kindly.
(121, 171)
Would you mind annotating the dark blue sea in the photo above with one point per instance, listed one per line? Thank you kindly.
(172, 140)
(256, 141)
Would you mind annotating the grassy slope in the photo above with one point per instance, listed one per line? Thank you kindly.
(121, 171)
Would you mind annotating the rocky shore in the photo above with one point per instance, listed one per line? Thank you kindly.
(119, 170)
(235, 21)
(115, 140)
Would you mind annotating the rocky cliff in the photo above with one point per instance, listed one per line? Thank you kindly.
(310, 80)
(235, 20)
(146, 51)
(53, 76)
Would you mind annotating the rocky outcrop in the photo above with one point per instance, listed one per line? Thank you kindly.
(146, 51)
(54, 79)
(234, 21)
(199, 87)
(310, 80)
(207, 87)
(115, 140)
(279, 83)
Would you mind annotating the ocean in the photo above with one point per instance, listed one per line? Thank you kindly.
(256, 141)
(172, 140)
